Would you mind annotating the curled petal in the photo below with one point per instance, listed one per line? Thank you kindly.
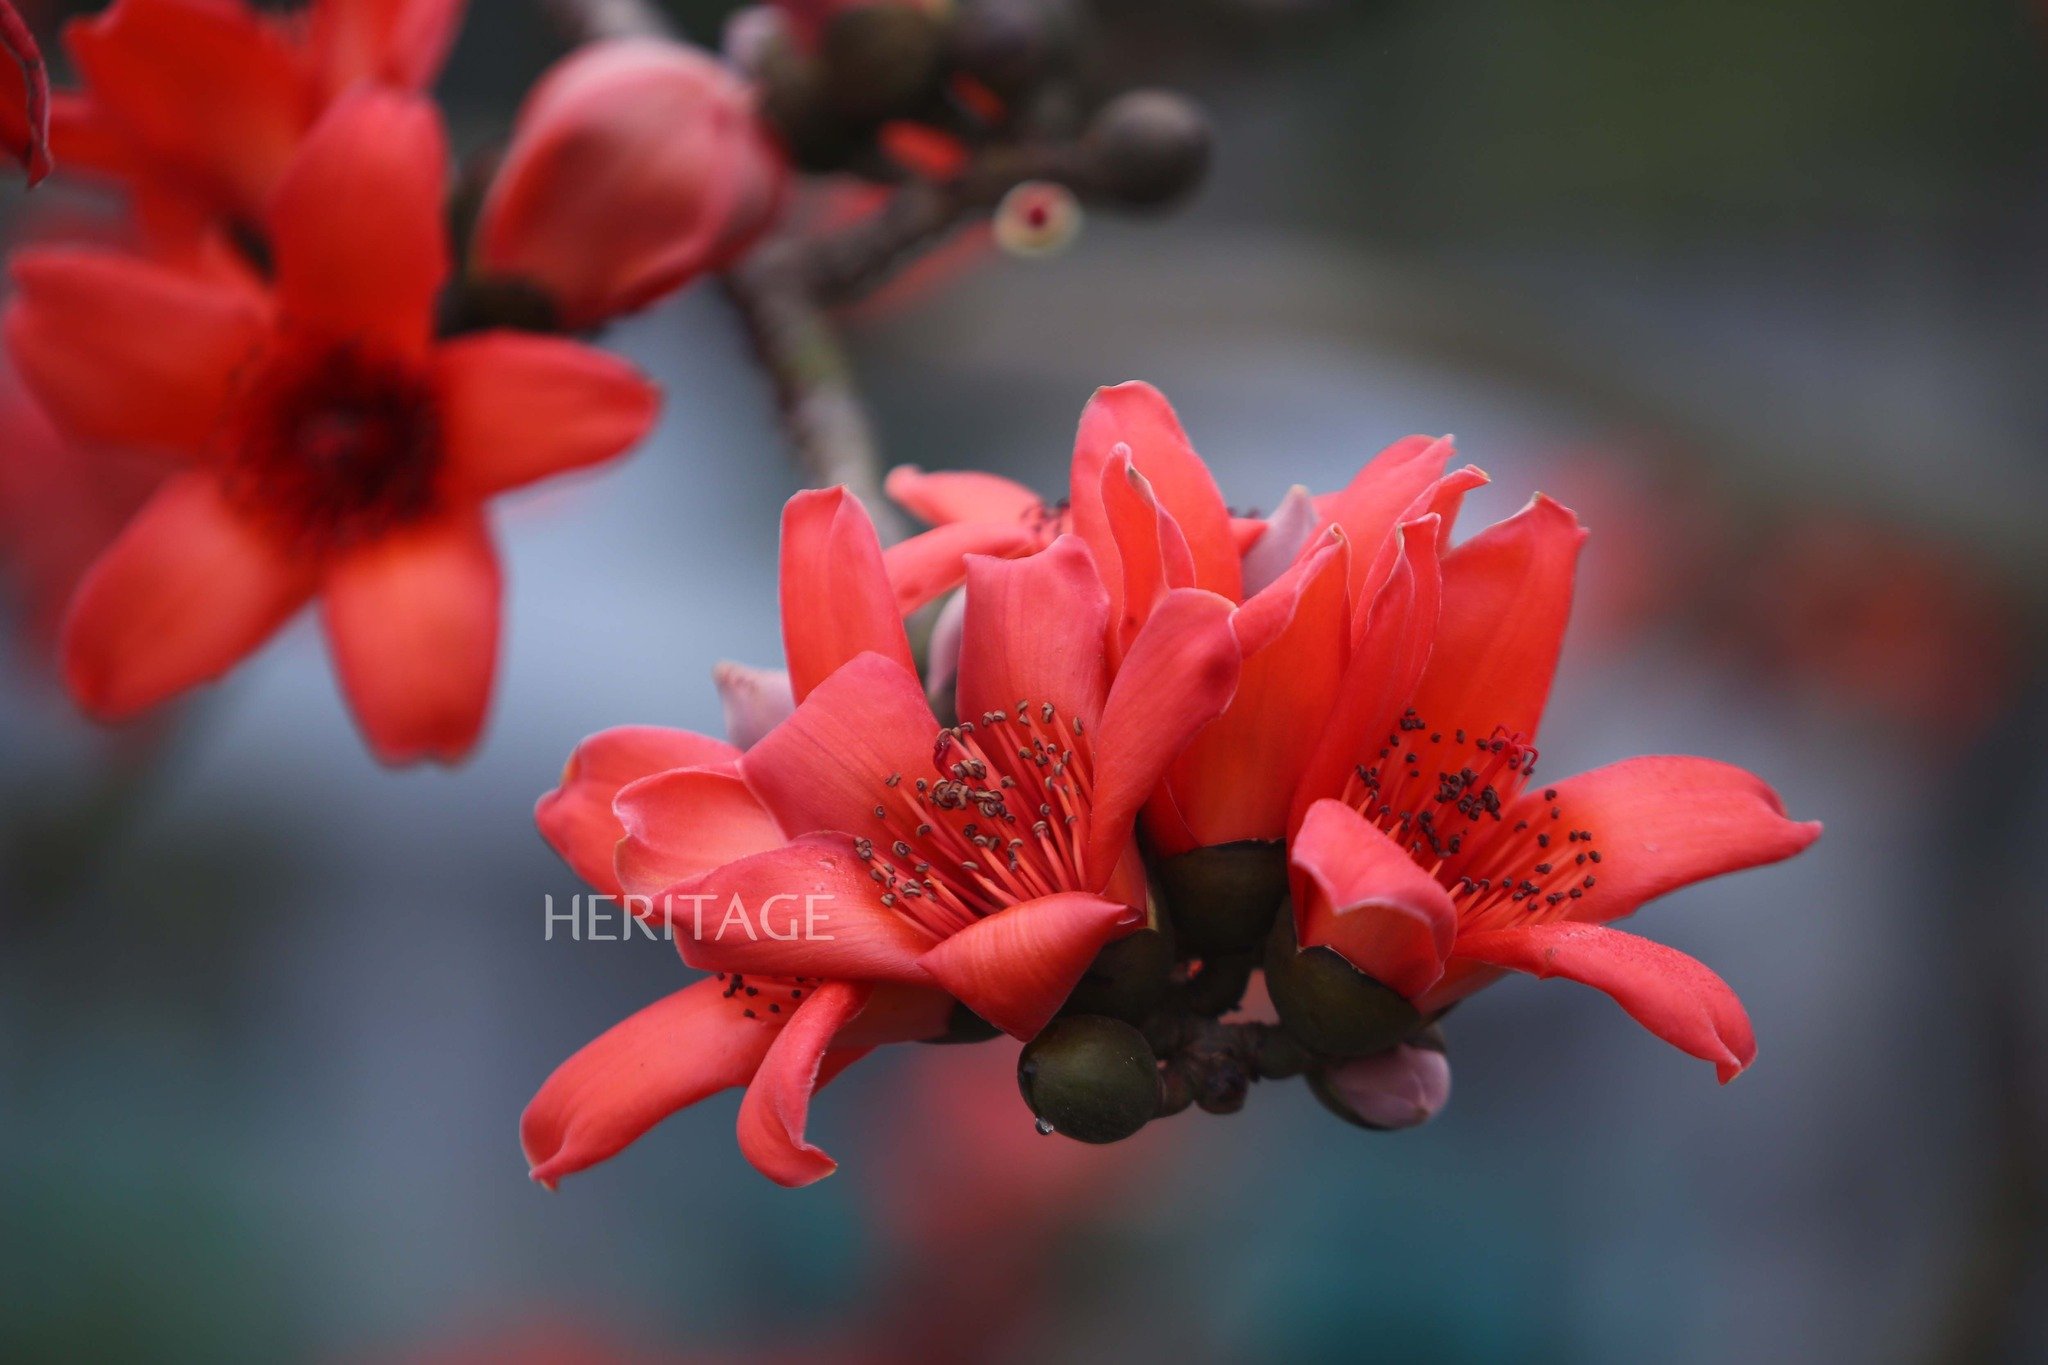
(1369, 507)
(577, 819)
(934, 562)
(1015, 968)
(963, 495)
(836, 598)
(393, 42)
(778, 1103)
(807, 908)
(1368, 900)
(1673, 996)
(683, 823)
(667, 1057)
(25, 107)
(1034, 632)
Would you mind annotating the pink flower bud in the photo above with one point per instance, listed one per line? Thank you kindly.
(1399, 1088)
(635, 166)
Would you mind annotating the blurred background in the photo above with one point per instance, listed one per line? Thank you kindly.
(1760, 289)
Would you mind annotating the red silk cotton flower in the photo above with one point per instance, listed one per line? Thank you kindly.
(330, 445)
(197, 106)
(863, 866)
(635, 166)
(1429, 857)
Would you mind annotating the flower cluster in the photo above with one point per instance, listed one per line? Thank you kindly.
(1143, 729)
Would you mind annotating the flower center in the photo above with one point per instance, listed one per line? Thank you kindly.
(1454, 822)
(773, 998)
(1002, 823)
(336, 446)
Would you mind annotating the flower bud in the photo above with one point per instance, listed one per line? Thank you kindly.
(1091, 1078)
(1329, 1004)
(1010, 45)
(1223, 898)
(1127, 980)
(635, 165)
(1399, 1088)
(881, 61)
(1149, 147)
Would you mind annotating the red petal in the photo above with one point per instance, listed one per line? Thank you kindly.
(1507, 594)
(213, 92)
(517, 407)
(123, 351)
(934, 562)
(827, 766)
(1369, 900)
(807, 908)
(1279, 540)
(1659, 824)
(1672, 995)
(1034, 632)
(25, 107)
(778, 1103)
(836, 599)
(1152, 554)
(634, 166)
(181, 596)
(1138, 416)
(1237, 777)
(576, 818)
(667, 1057)
(1373, 502)
(412, 620)
(358, 221)
(962, 495)
(1177, 678)
(390, 42)
(684, 823)
(1017, 967)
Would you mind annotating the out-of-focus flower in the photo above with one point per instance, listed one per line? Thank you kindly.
(635, 167)
(197, 106)
(24, 104)
(1429, 861)
(60, 506)
(1037, 218)
(989, 861)
(331, 446)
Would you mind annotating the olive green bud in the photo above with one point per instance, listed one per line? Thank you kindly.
(881, 61)
(1150, 147)
(1127, 980)
(1329, 1004)
(1223, 898)
(1092, 1078)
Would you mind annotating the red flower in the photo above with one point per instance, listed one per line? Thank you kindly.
(330, 444)
(1429, 858)
(990, 860)
(635, 167)
(25, 105)
(199, 105)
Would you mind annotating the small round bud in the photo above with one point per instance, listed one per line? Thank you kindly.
(881, 61)
(1150, 147)
(963, 1025)
(1399, 1088)
(1091, 1078)
(1223, 898)
(1010, 45)
(1329, 1004)
(1037, 218)
(1127, 980)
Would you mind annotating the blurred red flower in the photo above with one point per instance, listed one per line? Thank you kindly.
(330, 445)
(197, 106)
(635, 166)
